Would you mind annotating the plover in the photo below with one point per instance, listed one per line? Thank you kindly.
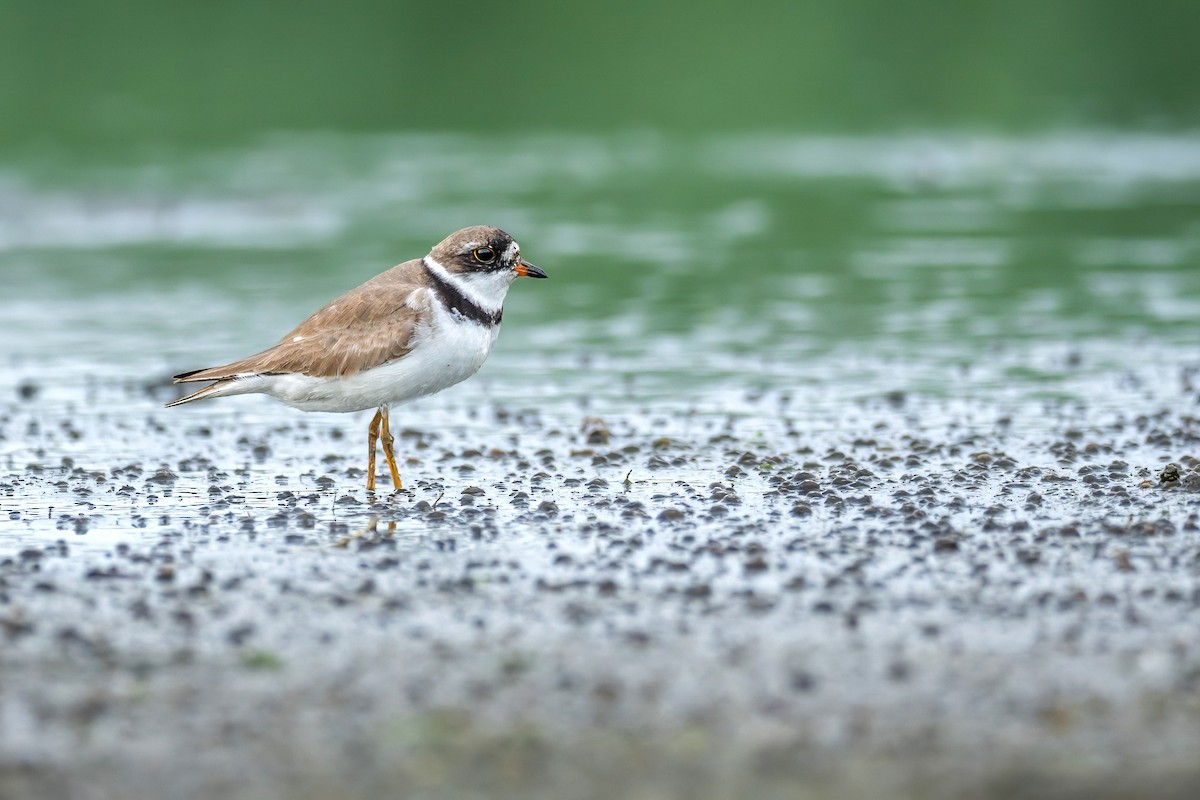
(414, 330)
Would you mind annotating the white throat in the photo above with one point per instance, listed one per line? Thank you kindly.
(485, 289)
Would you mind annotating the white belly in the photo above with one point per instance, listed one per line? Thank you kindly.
(449, 351)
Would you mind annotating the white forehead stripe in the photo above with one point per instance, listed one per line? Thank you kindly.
(512, 251)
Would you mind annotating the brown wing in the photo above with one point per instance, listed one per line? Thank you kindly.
(363, 328)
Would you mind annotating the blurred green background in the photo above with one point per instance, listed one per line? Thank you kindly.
(782, 194)
(135, 71)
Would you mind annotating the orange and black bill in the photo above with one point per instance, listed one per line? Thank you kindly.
(527, 270)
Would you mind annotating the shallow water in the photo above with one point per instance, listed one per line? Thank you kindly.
(878, 489)
(685, 267)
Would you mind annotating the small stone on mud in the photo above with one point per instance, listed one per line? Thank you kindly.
(164, 476)
(1169, 477)
(757, 564)
(946, 544)
(594, 430)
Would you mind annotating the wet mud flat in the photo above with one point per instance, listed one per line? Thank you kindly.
(894, 597)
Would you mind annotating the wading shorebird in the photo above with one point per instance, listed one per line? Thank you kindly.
(410, 332)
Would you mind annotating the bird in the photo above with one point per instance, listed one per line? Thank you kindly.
(410, 332)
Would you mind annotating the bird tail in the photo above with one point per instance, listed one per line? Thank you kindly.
(228, 379)
(213, 390)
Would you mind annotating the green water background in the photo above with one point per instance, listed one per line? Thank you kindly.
(749, 194)
(92, 75)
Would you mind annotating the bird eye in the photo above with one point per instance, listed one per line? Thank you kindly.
(485, 255)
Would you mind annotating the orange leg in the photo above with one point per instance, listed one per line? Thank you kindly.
(388, 453)
(372, 435)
